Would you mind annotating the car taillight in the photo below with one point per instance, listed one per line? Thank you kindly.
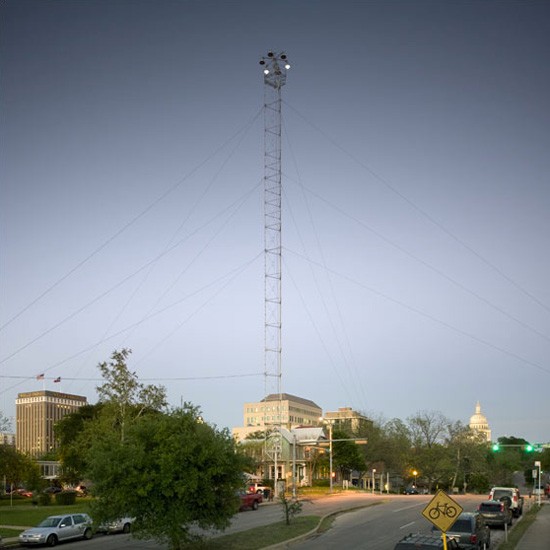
(502, 507)
(515, 498)
(473, 539)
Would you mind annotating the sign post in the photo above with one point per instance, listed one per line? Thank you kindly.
(442, 511)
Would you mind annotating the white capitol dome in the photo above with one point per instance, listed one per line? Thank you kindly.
(478, 423)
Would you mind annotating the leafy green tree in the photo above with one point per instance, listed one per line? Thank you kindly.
(511, 457)
(124, 395)
(390, 444)
(346, 455)
(73, 433)
(123, 399)
(467, 451)
(17, 468)
(172, 471)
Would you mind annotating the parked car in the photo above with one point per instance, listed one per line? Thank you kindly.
(20, 492)
(496, 512)
(121, 525)
(58, 528)
(53, 490)
(515, 500)
(470, 531)
(422, 541)
(411, 491)
(249, 500)
(258, 488)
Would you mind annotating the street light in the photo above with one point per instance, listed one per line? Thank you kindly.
(373, 472)
(415, 473)
(329, 423)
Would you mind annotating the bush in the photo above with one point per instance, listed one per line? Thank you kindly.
(42, 499)
(65, 498)
(321, 483)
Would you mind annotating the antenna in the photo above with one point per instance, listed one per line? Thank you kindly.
(275, 65)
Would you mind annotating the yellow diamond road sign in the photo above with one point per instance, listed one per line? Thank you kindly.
(442, 511)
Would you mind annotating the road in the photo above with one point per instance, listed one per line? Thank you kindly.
(377, 525)
(380, 527)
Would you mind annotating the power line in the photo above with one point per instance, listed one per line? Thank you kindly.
(119, 232)
(425, 315)
(423, 212)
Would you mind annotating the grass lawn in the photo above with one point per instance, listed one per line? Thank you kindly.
(260, 537)
(29, 515)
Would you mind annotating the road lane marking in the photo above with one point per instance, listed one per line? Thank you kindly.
(407, 525)
(409, 507)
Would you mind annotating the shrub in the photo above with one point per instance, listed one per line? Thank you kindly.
(65, 498)
(321, 483)
(42, 499)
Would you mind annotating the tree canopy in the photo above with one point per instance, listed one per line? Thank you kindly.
(171, 472)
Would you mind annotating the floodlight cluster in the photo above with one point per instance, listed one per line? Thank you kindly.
(271, 62)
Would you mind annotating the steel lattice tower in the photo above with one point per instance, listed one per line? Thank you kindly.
(274, 66)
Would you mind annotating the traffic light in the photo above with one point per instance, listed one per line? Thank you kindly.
(495, 447)
(529, 448)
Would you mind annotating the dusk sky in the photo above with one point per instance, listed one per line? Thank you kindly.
(416, 203)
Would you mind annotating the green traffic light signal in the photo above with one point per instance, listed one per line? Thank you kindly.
(529, 448)
(496, 447)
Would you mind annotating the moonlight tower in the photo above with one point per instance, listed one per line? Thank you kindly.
(275, 66)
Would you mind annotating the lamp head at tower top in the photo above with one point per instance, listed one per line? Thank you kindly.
(275, 66)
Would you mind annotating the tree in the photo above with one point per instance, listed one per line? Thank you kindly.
(122, 400)
(122, 392)
(427, 428)
(74, 435)
(172, 471)
(346, 455)
(510, 458)
(17, 468)
(5, 424)
(468, 450)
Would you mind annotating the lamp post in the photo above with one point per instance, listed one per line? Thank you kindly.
(373, 472)
(329, 423)
(415, 473)
(538, 478)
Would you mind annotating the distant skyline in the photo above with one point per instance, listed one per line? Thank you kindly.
(416, 202)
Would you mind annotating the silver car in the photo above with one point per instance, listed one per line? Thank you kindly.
(121, 525)
(58, 528)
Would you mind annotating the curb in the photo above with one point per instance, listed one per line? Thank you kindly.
(286, 543)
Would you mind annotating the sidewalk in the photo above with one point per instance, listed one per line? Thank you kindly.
(537, 537)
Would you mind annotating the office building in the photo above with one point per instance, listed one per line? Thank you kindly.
(36, 414)
(348, 419)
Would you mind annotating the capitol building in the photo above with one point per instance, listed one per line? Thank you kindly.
(478, 423)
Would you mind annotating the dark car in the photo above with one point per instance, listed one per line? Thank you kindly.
(496, 512)
(470, 531)
(422, 541)
(53, 490)
(411, 491)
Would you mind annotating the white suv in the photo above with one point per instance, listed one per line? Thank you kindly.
(511, 494)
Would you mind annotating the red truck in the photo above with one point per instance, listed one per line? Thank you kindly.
(249, 500)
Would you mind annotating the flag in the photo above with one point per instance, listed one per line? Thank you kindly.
(58, 379)
(40, 377)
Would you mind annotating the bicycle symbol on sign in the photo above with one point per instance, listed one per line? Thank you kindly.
(442, 509)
